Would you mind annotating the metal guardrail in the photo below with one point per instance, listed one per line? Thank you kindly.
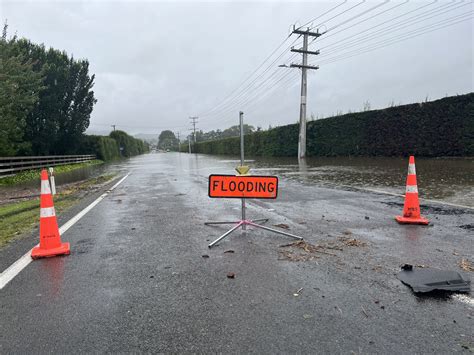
(12, 165)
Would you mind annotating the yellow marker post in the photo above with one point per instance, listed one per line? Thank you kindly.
(243, 170)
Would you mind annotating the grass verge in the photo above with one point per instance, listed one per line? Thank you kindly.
(20, 217)
(30, 175)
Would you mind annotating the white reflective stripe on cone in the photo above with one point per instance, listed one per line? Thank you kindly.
(47, 212)
(411, 169)
(45, 188)
(412, 188)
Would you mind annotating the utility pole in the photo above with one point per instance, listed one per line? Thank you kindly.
(179, 143)
(304, 84)
(113, 126)
(194, 119)
(193, 122)
(189, 143)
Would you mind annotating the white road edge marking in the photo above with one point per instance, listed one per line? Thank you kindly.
(15, 268)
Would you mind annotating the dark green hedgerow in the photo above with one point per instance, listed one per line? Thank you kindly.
(443, 127)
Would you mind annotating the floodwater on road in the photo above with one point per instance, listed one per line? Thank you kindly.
(445, 179)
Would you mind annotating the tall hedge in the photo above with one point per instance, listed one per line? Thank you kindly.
(443, 127)
(108, 148)
(105, 148)
(128, 145)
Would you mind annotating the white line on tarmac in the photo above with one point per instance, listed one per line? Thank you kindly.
(15, 268)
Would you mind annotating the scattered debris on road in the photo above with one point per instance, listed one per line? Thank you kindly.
(307, 254)
(230, 251)
(466, 265)
(310, 249)
(364, 311)
(205, 256)
(231, 275)
(352, 242)
(297, 293)
(427, 280)
(282, 225)
(293, 256)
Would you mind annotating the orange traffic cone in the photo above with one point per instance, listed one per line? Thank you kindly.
(50, 240)
(411, 209)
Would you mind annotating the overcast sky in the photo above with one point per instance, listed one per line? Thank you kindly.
(157, 63)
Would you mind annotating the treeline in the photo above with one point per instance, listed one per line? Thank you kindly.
(46, 100)
(117, 145)
(443, 127)
(233, 131)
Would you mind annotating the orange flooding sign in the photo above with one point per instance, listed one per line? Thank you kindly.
(231, 186)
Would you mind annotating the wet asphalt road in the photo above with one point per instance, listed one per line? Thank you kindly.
(136, 280)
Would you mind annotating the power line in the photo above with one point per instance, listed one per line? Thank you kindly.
(226, 99)
(339, 14)
(243, 82)
(404, 38)
(239, 101)
(325, 13)
(358, 15)
(384, 22)
(371, 37)
(365, 20)
(247, 96)
(243, 90)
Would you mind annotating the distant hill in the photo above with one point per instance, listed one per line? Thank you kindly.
(97, 132)
(148, 137)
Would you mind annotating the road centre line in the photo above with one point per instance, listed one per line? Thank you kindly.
(15, 268)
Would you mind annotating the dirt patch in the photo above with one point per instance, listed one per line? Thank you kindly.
(304, 251)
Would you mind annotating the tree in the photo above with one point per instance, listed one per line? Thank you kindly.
(58, 120)
(167, 140)
(20, 86)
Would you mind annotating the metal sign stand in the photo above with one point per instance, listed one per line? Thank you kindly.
(245, 222)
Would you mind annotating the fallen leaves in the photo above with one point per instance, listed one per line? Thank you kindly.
(352, 242)
(466, 265)
(304, 251)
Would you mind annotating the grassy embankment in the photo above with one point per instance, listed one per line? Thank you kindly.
(17, 218)
(30, 175)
